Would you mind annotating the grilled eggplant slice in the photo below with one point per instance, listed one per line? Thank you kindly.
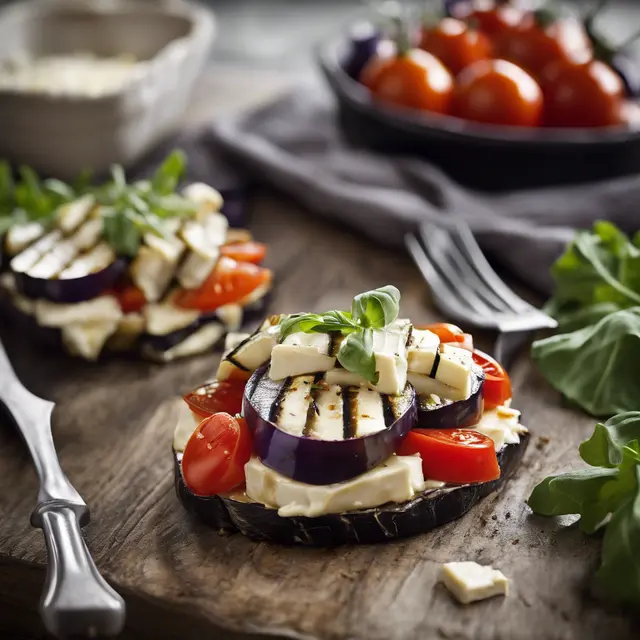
(433, 508)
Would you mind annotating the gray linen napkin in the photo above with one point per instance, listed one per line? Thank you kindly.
(295, 144)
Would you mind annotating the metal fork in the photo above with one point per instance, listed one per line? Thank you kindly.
(468, 290)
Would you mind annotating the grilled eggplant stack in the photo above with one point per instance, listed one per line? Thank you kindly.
(342, 437)
(127, 267)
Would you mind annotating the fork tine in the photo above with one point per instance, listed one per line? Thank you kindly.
(436, 241)
(467, 271)
(486, 272)
(440, 288)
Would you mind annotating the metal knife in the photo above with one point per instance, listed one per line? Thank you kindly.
(76, 601)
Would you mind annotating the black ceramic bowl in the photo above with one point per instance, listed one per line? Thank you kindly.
(480, 156)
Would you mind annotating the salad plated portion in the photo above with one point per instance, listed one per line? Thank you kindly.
(126, 267)
(346, 427)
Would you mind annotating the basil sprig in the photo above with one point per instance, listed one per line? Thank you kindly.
(370, 310)
(605, 495)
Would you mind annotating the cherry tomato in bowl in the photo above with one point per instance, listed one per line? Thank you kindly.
(214, 458)
(218, 396)
(497, 92)
(413, 79)
(455, 44)
(589, 94)
(453, 455)
(495, 19)
(497, 384)
(249, 251)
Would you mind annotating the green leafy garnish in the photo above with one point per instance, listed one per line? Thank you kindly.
(592, 360)
(371, 310)
(128, 210)
(605, 495)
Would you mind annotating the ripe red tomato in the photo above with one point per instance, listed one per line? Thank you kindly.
(215, 455)
(539, 41)
(130, 298)
(497, 385)
(497, 92)
(453, 455)
(230, 281)
(455, 44)
(495, 19)
(245, 251)
(414, 79)
(445, 331)
(590, 94)
(217, 396)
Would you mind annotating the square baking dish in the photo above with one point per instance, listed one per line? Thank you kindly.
(62, 135)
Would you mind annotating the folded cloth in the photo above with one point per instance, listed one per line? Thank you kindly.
(296, 145)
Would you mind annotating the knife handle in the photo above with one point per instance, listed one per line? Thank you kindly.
(76, 601)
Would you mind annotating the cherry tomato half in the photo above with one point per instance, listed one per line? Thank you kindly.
(590, 94)
(453, 455)
(214, 458)
(455, 44)
(497, 385)
(414, 79)
(245, 251)
(131, 299)
(497, 92)
(218, 396)
(230, 281)
(445, 331)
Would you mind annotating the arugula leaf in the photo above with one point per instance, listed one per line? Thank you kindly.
(356, 354)
(619, 573)
(122, 233)
(597, 367)
(605, 447)
(377, 308)
(168, 175)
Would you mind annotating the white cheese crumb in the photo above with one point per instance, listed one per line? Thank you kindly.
(470, 581)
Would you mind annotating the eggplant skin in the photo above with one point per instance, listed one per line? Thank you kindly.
(381, 524)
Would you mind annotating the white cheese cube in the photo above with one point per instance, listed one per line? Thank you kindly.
(426, 386)
(165, 318)
(422, 350)
(152, 271)
(208, 199)
(232, 340)
(397, 480)
(301, 353)
(71, 215)
(187, 423)
(195, 269)
(254, 351)
(454, 366)
(470, 581)
(207, 236)
(502, 425)
(86, 339)
(51, 314)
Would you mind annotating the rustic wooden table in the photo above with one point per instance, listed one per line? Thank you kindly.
(113, 428)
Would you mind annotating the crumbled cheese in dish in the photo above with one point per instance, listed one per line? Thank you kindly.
(77, 75)
(470, 581)
(502, 425)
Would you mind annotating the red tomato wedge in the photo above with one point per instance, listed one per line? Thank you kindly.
(497, 385)
(131, 299)
(214, 458)
(219, 396)
(230, 281)
(445, 331)
(453, 455)
(245, 251)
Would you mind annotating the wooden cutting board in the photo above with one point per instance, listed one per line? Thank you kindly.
(113, 429)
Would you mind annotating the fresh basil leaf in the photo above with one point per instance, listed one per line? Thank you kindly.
(122, 233)
(6, 222)
(304, 322)
(60, 189)
(83, 182)
(619, 574)
(597, 367)
(119, 181)
(572, 318)
(605, 447)
(168, 175)
(378, 308)
(356, 355)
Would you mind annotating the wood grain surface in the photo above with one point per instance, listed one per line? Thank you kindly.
(113, 428)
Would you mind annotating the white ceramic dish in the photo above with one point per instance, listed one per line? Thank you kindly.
(63, 135)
